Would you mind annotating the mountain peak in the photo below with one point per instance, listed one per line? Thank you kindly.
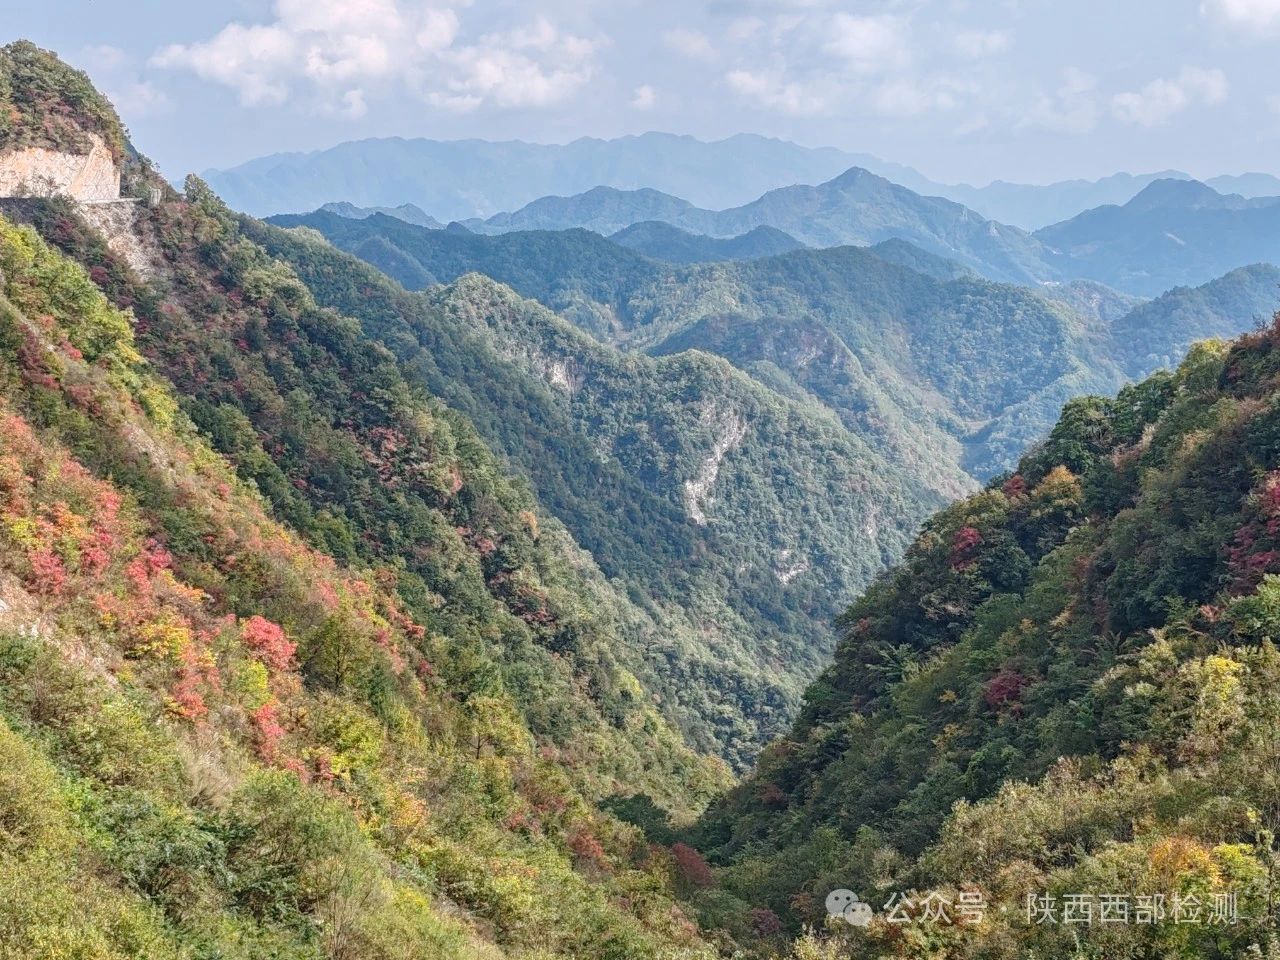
(1175, 193)
(856, 175)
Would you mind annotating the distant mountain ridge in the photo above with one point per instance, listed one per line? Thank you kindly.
(662, 241)
(457, 180)
(407, 212)
(856, 207)
(1173, 233)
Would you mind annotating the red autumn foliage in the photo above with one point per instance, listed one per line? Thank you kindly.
(185, 699)
(1014, 487)
(764, 922)
(267, 730)
(48, 575)
(1004, 688)
(268, 643)
(691, 866)
(1255, 548)
(963, 546)
(586, 847)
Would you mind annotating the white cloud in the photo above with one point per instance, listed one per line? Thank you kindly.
(1160, 99)
(340, 51)
(138, 99)
(772, 89)
(1072, 108)
(643, 97)
(908, 97)
(531, 66)
(979, 44)
(868, 44)
(690, 43)
(117, 74)
(104, 57)
(823, 61)
(1246, 13)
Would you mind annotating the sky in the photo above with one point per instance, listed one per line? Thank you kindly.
(1020, 90)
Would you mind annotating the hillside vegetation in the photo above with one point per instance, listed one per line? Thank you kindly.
(290, 665)
(220, 742)
(930, 364)
(1068, 686)
(744, 519)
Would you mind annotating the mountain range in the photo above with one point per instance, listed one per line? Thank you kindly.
(856, 207)
(927, 361)
(458, 180)
(1173, 233)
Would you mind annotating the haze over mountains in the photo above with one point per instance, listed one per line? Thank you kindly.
(457, 180)
(1173, 233)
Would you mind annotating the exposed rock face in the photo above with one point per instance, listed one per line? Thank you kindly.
(118, 224)
(39, 172)
(729, 430)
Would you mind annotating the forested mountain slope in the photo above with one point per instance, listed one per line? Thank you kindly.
(905, 338)
(1175, 232)
(1068, 686)
(289, 665)
(1238, 301)
(929, 363)
(731, 522)
(745, 514)
(662, 241)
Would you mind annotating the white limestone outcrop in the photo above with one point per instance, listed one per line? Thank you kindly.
(40, 172)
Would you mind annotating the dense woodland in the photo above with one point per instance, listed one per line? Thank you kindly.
(343, 620)
(941, 371)
(797, 515)
(1068, 684)
(339, 690)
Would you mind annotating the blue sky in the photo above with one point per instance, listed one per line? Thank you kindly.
(1028, 90)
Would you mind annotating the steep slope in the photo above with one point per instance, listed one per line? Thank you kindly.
(290, 665)
(219, 741)
(659, 240)
(1067, 687)
(1173, 233)
(683, 477)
